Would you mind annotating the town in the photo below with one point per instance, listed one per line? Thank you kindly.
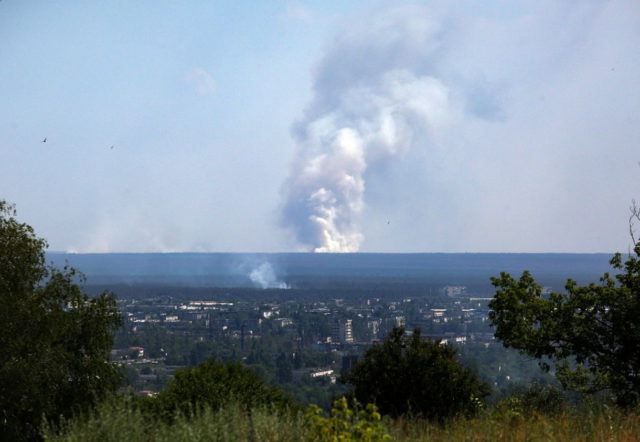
(287, 341)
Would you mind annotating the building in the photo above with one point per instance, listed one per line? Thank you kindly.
(374, 328)
(342, 331)
(389, 323)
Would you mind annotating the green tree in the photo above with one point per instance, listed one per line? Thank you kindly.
(213, 384)
(591, 333)
(410, 375)
(54, 340)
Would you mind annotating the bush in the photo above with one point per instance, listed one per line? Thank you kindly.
(345, 424)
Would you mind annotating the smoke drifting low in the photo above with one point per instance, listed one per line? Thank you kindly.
(372, 103)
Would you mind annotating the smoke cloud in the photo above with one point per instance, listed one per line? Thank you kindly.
(471, 127)
(372, 104)
(264, 277)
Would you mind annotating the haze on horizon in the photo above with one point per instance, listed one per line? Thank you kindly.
(282, 126)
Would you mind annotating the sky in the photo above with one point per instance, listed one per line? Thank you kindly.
(326, 126)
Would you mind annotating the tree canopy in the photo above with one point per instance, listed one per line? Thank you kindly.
(213, 384)
(54, 339)
(591, 333)
(410, 375)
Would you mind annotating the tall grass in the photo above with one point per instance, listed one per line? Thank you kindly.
(118, 420)
(607, 425)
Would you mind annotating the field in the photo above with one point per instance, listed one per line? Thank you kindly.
(118, 420)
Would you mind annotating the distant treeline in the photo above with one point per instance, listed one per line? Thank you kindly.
(308, 270)
(364, 290)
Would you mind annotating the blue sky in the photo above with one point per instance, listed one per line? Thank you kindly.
(321, 125)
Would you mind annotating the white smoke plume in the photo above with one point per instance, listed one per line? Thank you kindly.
(376, 97)
(264, 277)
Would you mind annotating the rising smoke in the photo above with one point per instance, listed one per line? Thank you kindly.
(376, 96)
(264, 277)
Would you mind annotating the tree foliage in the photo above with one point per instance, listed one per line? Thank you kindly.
(410, 375)
(54, 340)
(214, 384)
(592, 332)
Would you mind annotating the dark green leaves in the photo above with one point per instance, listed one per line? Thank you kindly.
(592, 332)
(213, 384)
(410, 375)
(55, 340)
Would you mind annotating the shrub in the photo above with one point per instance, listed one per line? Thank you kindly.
(345, 424)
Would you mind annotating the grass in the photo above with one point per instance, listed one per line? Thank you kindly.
(118, 420)
(609, 425)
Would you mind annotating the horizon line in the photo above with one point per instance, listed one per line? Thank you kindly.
(62, 252)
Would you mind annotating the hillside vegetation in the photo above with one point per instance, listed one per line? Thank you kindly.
(118, 420)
